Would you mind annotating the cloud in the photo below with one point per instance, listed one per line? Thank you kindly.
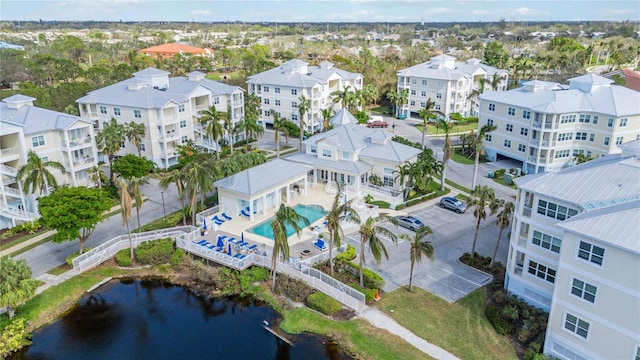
(201, 13)
(439, 11)
(528, 11)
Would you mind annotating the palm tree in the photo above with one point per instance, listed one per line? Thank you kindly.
(109, 142)
(481, 197)
(303, 107)
(285, 216)
(134, 189)
(334, 218)
(419, 249)
(97, 175)
(397, 98)
(35, 174)
(447, 150)
(126, 205)
(370, 93)
(482, 134)
(227, 122)
(250, 127)
(405, 177)
(199, 178)
(135, 133)
(505, 211)
(326, 117)
(278, 125)
(16, 283)
(370, 232)
(425, 113)
(214, 130)
(178, 178)
(345, 97)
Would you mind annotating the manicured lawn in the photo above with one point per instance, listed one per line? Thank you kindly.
(457, 186)
(460, 328)
(219, 76)
(504, 183)
(432, 129)
(381, 110)
(464, 159)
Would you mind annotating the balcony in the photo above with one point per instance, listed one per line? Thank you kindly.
(9, 191)
(538, 125)
(77, 142)
(522, 240)
(526, 210)
(11, 153)
(8, 170)
(518, 270)
(532, 159)
(170, 136)
(80, 163)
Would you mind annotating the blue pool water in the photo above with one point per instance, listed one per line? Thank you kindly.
(311, 212)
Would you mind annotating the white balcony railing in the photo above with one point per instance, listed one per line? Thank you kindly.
(11, 191)
(8, 170)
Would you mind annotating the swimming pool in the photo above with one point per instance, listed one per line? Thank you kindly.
(311, 212)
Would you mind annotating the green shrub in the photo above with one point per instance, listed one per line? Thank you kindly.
(123, 258)
(495, 317)
(69, 259)
(499, 173)
(14, 337)
(256, 273)
(323, 303)
(155, 252)
(381, 204)
(371, 279)
(294, 289)
(348, 255)
(178, 257)
(369, 294)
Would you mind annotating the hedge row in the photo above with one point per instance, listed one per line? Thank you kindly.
(323, 303)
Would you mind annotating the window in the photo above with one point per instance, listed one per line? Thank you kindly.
(277, 102)
(346, 155)
(294, 117)
(294, 91)
(45, 159)
(567, 119)
(413, 92)
(507, 143)
(326, 153)
(216, 100)
(439, 96)
(440, 83)
(414, 81)
(184, 139)
(610, 122)
(584, 290)
(122, 145)
(576, 152)
(437, 106)
(266, 101)
(412, 103)
(37, 141)
(581, 136)
(606, 141)
(143, 147)
(526, 114)
(423, 93)
(555, 211)
(541, 271)
(492, 107)
(183, 124)
(565, 136)
(546, 241)
(423, 105)
(116, 111)
(137, 114)
(592, 137)
(265, 88)
(424, 82)
(619, 140)
(294, 104)
(276, 90)
(623, 122)
(181, 108)
(509, 127)
(103, 109)
(524, 131)
(488, 137)
(595, 119)
(576, 326)
(522, 147)
(511, 111)
(388, 177)
(585, 119)
(592, 253)
(559, 154)
(490, 122)
(314, 149)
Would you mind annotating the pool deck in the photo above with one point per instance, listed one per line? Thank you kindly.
(316, 195)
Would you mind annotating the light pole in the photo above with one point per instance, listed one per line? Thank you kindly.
(163, 209)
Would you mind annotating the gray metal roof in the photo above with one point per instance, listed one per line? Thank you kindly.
(354, 167)
(597, 183)
(182, 85)
(618, 225)
(391, 151)
(315, 75)
(585, 94)
(33, 119)
(343, 117)
(262, 177)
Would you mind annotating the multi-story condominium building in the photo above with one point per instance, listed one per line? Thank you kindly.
(168, 107)
(575, 252)
(54, 136)
(545, 125)
(453, 86)
(280, 89)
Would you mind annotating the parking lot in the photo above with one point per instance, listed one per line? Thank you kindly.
(452, 236)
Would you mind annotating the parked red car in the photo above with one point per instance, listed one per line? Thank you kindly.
(377, 124)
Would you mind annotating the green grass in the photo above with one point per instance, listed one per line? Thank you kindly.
(61, 269)
(432, 129)
(31, 246)
(460, 328)
(381, 110)
(219, 76)
(457, 186)
(19, 240)
(464, 159)
(504, 183)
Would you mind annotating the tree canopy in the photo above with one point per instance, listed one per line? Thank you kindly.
(16, 283)
(132, 166)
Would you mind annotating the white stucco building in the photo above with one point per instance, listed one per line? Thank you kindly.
(545, 125)
(280, 89)
(450, 84)
(54, 136)
(575, 252)
(168, 107)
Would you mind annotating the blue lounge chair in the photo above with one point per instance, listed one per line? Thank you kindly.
(319, 244)
(217, 219)
(205, 244)
(225, 216)
(239, 256)
(244, 213)
(201, 242)
(252, 247)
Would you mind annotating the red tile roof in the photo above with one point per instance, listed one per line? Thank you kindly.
(168, 50)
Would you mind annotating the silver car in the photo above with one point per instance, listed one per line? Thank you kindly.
(454, 204)
(410, 222)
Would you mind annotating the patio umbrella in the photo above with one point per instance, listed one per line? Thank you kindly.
(345, 202)
(230, 249)
(204, 223)
(220, 243)
(242, 237)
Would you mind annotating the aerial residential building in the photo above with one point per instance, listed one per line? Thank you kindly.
(54, 136)
(166, 51)
(351, 154)
(280, 89)
(168, 107)
(451, 85)
(545, 125)
(574, 252)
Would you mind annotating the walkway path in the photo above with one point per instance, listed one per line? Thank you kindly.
(382, 321)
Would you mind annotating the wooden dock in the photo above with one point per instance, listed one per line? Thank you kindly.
(277, 335)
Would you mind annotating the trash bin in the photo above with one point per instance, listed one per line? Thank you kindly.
(490, 175)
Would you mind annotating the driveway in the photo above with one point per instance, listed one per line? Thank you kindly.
(452, 236)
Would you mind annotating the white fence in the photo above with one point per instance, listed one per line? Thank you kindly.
(207, 214)
(108, 249)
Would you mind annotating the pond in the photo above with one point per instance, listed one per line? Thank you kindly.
(151, 319)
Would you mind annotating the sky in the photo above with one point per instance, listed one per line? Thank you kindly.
(320, 10)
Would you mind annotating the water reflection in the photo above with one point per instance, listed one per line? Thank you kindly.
(150, 319)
